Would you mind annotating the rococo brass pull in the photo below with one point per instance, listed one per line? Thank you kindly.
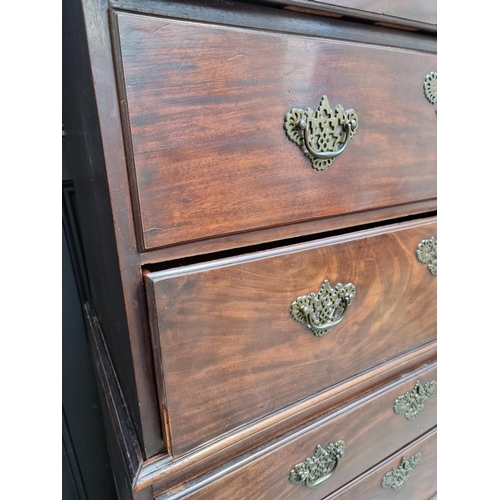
(325, 309)
(324, 133)
(411, 403)
(397, 477)
(431, 87)
(315, 470)
(427, 253)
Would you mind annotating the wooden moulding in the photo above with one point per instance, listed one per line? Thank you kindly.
(233, 13)
(369, 427)
(135, 477)
(403, 14)
(300, 229)
(163, 471)
(122, 439)
(420, 14)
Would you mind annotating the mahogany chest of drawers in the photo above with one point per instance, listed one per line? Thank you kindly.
(257, 194)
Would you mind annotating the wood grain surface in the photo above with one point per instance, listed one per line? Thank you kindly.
(289, 232)
(204, 108)
(371, 432)
(227, 350)
(283, 20)
(166, 472)
(424, 11)
(421, 485)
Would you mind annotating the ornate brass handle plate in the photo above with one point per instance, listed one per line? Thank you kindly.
(427, 253)
(324, 133)
(397, 477)
(431, 87)
(323, 310)
(315, 470)
(412, 402)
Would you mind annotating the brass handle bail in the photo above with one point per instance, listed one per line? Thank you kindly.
(323, 134)
(326, 155)
(323, 310)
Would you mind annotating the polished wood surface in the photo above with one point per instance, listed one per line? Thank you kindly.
(423, 11)
(246, 15)
(165, 472)
(207, 149)
(227, 350)
(180, 129)
(371, 432)
(287, 233)
(421, 484)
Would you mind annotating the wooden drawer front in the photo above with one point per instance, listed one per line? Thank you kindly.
(206, 107)
(371, 432)
(228, 351)
(421, 484)
(395, 11)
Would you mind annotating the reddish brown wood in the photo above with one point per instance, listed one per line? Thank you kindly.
(423, 11)
(228, 352)
(163, 471)
(241, 205)
(307, 10)
(422, 483)
(233, 13)
(285, 232)
(208, 152)
(371, 431)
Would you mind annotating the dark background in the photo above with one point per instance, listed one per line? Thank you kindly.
(86, 469)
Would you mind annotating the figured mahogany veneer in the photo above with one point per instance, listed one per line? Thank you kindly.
(204, 108)
(227, 350)
(371, 432)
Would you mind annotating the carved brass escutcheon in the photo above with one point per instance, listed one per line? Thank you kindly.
(315, 470)
(325, 309)
(427, 253)
(323, 134)
(412, 402)
(397, 477)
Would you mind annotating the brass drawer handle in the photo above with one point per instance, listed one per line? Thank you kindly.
(324, 133)
(427, 253)
(397, 477)
(315, 470)
(325, 309)
(411, 403)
